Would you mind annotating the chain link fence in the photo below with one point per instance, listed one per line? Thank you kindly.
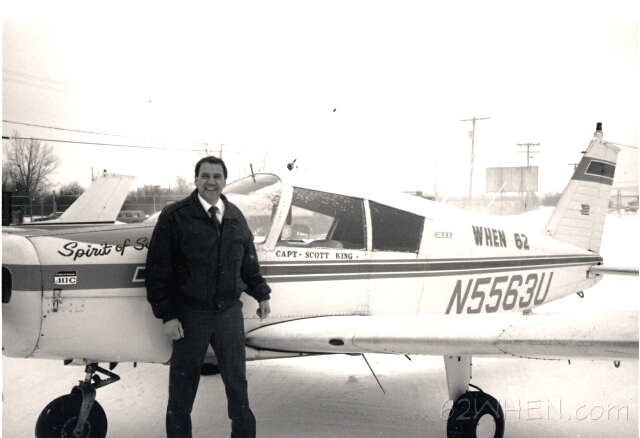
(49, 206)
(41, 206)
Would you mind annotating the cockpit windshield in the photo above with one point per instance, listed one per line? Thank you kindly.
(257, 197)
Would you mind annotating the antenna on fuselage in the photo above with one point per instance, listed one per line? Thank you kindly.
(374, 374)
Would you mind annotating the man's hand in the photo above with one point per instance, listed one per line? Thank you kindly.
(264, 309)
(173, 329)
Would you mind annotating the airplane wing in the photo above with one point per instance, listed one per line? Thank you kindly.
(602, 335)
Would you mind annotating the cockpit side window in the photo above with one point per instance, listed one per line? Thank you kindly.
(395, 230)
(324, 220)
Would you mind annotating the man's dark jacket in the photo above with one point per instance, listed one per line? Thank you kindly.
(184, 265)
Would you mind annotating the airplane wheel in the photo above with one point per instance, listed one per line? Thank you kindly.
(60, 417)
(209, 369)
(476, 415)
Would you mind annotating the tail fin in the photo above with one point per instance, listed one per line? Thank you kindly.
(101, 202)
(579, 217)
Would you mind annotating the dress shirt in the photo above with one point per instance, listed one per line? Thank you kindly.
(207, 206)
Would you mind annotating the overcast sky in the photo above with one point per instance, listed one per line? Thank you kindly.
(266, 77)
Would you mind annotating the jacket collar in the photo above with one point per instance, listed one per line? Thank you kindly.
(231, 212)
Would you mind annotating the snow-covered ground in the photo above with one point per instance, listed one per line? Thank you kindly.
(336, 396)
(331, 396)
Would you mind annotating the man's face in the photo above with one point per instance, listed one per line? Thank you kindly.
(210, 182)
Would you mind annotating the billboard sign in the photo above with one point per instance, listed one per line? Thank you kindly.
(514, 179)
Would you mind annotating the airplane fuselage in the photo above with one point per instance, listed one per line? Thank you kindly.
(79, 294)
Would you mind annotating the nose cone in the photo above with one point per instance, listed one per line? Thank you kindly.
(21, 296)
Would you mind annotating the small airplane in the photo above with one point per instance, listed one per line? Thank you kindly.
(98, 205)
(352, 272)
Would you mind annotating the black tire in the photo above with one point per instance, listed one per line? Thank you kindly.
(209, 369)
(60, 417)
(476, 415)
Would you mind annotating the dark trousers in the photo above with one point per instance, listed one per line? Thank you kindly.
(225, 332)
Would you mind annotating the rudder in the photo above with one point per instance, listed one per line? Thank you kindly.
(579, 216)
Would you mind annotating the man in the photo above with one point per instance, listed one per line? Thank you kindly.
(201, 258)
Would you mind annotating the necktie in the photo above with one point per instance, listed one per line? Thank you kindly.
(213, 210)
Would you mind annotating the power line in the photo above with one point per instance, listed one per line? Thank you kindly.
(43, 87)
(117, 145)
(100, 133)
(45, 83)
(84, 132)
(99, 144)
(37, 78)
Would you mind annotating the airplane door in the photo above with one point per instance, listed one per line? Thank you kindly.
(318, 264)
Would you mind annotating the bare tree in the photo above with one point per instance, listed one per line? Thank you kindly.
(72, 188)
(95, 173)
(29, 164)
(264, 160)
(257, 166)
(7, 182)
(182, 186)
(208, 150)
(67, 194)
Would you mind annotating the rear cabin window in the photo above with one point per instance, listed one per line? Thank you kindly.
(324, 220)
(395, 230)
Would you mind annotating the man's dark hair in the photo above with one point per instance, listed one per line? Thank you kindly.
(211, 160)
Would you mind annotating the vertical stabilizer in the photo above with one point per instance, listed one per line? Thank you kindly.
(101, 202)
(579, 217)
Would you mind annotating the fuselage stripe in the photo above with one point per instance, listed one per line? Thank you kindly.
(412, 274)
(109, 276)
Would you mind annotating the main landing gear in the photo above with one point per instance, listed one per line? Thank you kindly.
(77, 415)
(474, 414)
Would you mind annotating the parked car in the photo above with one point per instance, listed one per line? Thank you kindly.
(48, 217)
(131, 216)
(632, 206)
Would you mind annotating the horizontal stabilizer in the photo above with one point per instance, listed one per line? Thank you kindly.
(601, 335)
(614, 270)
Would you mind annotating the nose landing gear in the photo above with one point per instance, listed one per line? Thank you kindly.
(77, 415)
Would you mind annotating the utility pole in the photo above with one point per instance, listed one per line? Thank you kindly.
(435, 185)
(155, 189)
(528, 145)
(522, 182)
(472, 134)
(221, 146)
